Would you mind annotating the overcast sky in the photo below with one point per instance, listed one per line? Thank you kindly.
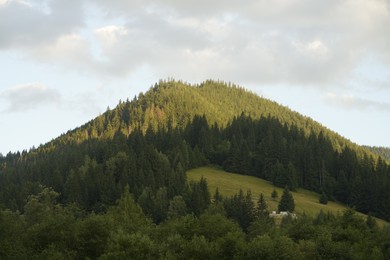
(64, 61)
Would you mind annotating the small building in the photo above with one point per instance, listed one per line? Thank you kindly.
(282, 214)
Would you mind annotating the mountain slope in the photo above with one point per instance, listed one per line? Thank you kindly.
(228, 184)
(148, 143)
(176, 103)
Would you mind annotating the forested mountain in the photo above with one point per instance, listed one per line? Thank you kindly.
(144, 146)
(151, 140)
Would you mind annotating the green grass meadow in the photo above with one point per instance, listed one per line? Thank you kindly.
(306, 202)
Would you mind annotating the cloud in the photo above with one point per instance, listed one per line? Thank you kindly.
(302, 42)
(31, 23)
(71, 50)
(298, 42)
(26, 97)
(352, 102)
(111, 34)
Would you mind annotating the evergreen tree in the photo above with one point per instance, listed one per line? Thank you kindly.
(177, 207)
(286, 201)
(323, 198)
(217, 196)
(371, 222)
(262, 207)
(274, 194)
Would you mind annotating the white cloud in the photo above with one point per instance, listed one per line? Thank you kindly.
(317, 49)
(22, 98)
(72, 49)
(350, 101)
(298, 42)
(301, 42)
(111, 34)
(31, 23)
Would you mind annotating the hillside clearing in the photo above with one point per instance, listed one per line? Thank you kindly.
(306, 202)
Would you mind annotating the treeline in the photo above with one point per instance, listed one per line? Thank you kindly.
(48, 230)
(286, 156)
(94, 173)
(384, 152)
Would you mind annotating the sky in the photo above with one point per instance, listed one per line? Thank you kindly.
(63, 62)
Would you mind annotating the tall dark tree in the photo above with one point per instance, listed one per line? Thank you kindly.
(262, 207)
(286, 201)
(274, 194)
(323, 198)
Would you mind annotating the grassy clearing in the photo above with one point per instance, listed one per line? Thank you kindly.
(230, 183)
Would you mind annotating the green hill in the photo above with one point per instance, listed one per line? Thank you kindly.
(228, 184)
(57, 201)
(175, 103)
(150, 141)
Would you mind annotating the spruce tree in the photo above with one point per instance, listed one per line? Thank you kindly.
(217, 196)
(274, 194)
(287, 201)
(323, 198)
(262, 206)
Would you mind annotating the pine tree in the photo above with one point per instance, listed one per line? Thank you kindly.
(371, 222)
(262, 206)
(323, 198)
(274, 194)
(287, 201)
(217, 196)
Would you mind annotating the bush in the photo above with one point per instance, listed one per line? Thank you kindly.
(323, 198)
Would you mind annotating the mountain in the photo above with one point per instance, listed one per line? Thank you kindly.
(149, 142)
(176, 103)
(116, 187)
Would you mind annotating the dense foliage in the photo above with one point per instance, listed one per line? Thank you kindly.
(48, 230)
(384, 152)
(286, 201)
(144, 146)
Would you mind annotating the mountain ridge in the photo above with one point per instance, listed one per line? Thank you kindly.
(158, 111)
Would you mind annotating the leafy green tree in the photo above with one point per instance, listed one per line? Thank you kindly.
(177, 207)
(41, 206)
(286, 201)
(123, 245)
(127, 214)
(213, 226)
(302, 229)
(278, 247)
(91, 236)
(146, 201)
(12, 230)
(262, 225)
(231, 245)
(198, 248)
